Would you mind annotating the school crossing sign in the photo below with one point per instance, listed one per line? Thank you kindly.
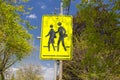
(56, 37)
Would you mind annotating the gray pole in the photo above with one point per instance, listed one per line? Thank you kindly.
(88, 1)
(61, 7)
(55, 70)
(60, 66)
(61, 70)
(60, 62)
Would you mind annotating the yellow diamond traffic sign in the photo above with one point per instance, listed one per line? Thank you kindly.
(56, 37)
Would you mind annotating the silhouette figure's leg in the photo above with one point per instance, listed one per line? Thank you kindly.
(48, 46)
(53, 46)
(63, 44)
(58, 45)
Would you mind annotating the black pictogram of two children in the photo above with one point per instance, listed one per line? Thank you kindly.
(52, 34)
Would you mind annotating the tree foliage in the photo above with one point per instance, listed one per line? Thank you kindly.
(66, 6)
(30, 72)
(25, 72)
(96, 42)
(14, 38)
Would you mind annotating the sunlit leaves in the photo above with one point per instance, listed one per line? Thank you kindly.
(13, 35)
(66, 3)
(96, 42)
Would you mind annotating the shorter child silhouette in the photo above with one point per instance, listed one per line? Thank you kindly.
(51, 33)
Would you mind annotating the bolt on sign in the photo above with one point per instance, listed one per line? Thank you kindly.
(56, 37)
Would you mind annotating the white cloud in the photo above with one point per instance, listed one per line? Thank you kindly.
(12, 69)
(43, 6)
(48, 73)
(32, 16)
(15, 69)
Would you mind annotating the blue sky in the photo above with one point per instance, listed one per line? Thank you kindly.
(40, 8)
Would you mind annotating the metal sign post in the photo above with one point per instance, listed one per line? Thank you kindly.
(88, 1)
(60, 62)
(60, 70)
(55, 70)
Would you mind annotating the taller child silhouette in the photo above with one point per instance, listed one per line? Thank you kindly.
(62, 35)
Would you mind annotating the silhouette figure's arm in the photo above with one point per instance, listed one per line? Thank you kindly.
(47, 34)
(57, 31)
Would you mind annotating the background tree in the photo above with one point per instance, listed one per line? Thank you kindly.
(14, 38)
(96, 42)
(29, 72)
(25, 72)
(66, 6)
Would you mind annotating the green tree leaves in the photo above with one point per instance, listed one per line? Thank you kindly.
(96, 43)
(14, 38)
